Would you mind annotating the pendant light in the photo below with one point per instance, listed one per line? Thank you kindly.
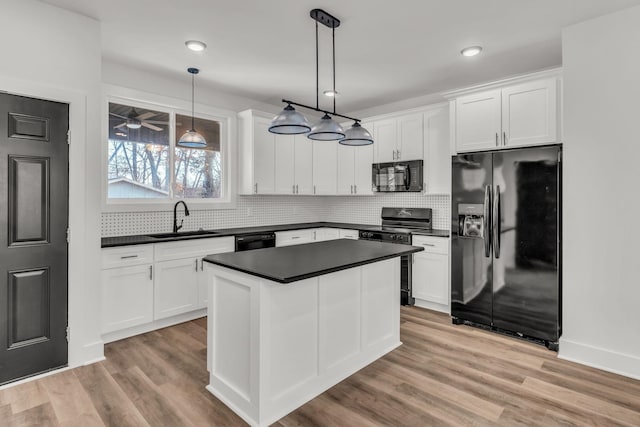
(356, 135)
(291, 122)
(192, 138)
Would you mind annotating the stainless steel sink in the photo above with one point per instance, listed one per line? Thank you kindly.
(182, 234)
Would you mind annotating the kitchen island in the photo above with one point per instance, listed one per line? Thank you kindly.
(287, 323)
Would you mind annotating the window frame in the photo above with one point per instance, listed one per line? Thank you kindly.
(172, 106)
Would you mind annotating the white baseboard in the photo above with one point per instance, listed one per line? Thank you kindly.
(432, 306)
(618, 363)
(158, 324)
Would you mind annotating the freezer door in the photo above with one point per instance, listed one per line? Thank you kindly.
(526, 242)
(471, 237)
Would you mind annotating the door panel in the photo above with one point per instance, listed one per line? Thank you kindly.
(471, 273)
(33, 247)
(284, 164)
(525, 288)
(363, 160)
(478, 121)
(28, 200)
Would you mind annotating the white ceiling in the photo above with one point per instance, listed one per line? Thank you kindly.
(385, 50)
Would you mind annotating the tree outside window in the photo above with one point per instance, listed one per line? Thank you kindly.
(144, 162)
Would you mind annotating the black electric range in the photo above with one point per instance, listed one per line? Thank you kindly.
(397, 226)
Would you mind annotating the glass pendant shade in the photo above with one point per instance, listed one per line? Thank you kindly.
(192, 139)
(289, 122)
(356, 135)
(326, 129)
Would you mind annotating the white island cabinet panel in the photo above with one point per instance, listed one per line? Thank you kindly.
(380, 320)
(291, 329)
(339, 316)
(233, 345)
(273, 347)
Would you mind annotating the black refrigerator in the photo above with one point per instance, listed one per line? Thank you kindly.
(505, 242)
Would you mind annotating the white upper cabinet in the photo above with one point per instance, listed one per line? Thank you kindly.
(354, 167)
(478, 123)
(284, 164)
(346, 168)
(398, 138)
(529, 114)
(257, 153)
(363, 159)
(517, 115)
(410, 137)
(303, 168)
(325, 170)
(385, 137)
(437, 158)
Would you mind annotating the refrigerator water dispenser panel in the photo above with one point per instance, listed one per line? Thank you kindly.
(471, 220)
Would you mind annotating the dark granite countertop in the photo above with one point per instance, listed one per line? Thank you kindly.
(292, 263)
(108, 242)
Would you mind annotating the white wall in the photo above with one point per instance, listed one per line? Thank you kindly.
(53, 54)
(601, 271)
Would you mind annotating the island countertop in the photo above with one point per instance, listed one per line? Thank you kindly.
(292, 263)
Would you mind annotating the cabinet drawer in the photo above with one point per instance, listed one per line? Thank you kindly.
(193, 248)
(436, 245)
(295, 237)
(348, 234)
(127, 255)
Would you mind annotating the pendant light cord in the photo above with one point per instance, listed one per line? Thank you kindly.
(317, 71)
(193, 109)
(333, 36)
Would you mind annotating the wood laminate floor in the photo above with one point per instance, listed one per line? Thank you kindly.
(442, 375)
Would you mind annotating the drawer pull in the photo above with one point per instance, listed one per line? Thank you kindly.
(428, 244)
(129, 256)
(295, 237)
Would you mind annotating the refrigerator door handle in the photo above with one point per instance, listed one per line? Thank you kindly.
(487, 221)
(496, 223)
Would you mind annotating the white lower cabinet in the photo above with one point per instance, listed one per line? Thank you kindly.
(309, 235)
(295, 237)
(147, 283)
(126, 287)
(323, 234)
(348, 234)
(176, 287)
(127, 297)
(430, 279)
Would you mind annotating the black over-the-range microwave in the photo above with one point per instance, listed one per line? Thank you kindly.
(398, 176)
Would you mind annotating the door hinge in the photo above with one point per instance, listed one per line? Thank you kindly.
(68, 234)
(67, 334)
(69, 137)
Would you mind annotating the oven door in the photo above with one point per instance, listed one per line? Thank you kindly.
(406, 292)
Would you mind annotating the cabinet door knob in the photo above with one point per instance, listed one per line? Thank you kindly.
(151, 272)
(355, 188)
(256, 184)
(293, 189)
(504, 138)
(497, 143)
(297, 191)
(394, 154)
(398, 154)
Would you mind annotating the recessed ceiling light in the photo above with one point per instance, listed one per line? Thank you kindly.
(195, 45)
(331, 93)
(471, 51)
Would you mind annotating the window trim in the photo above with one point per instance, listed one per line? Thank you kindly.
(228, 152)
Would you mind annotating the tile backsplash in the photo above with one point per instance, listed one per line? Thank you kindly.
(267, 210)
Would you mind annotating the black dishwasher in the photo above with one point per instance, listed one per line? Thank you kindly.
(249, 242)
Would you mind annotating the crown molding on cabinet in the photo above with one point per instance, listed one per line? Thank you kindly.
(522, 78)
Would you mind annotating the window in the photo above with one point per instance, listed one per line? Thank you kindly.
(198, 170)
(146, 166)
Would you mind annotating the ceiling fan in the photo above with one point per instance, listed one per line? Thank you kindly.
(133, 120)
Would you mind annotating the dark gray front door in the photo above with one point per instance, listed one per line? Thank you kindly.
(34, 171)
